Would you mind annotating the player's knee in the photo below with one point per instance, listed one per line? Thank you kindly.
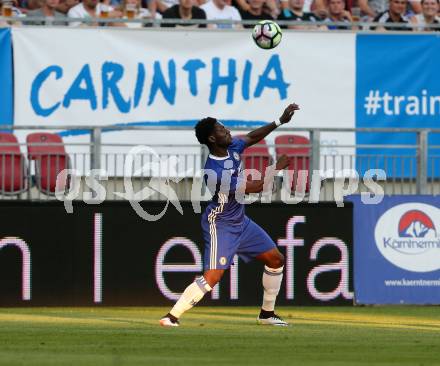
(277, 261)
(213, 276)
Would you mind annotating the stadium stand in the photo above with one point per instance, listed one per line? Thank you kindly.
(413, 14)
(13, 167)
(290, 145)
(257, 157)
(49, 154)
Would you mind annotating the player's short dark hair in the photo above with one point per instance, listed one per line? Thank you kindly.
(204, 129)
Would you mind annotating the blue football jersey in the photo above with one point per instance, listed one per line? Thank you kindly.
(222, 177)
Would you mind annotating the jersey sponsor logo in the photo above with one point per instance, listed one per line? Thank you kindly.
(406, 235)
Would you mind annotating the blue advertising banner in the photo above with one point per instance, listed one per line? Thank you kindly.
(6, 72)
(397, 250)
(397, 85)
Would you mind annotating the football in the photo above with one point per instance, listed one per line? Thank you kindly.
(267, 34)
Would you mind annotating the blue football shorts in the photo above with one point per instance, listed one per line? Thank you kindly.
(223, 241)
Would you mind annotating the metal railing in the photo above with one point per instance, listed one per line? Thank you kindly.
(319, 169)
(362, 26)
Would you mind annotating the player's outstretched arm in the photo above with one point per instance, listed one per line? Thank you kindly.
(260, 133)
(256, 186)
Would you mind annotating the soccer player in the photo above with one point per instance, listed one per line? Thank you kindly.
(226, 229)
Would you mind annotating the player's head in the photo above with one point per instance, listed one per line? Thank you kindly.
(211, 132)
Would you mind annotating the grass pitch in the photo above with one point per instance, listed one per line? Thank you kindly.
(220, 336)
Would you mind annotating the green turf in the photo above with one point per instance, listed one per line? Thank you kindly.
(220, 336)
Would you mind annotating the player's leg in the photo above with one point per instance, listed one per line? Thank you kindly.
(213, 276)
(272, 258)
(219, 251)
(272, 278)
(195, 291)
(256, 243)
(192, 295)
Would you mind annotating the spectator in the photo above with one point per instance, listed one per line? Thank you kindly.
(132, 9)
(415, 7)
(13, 7)
(163, 5)
(185, 10)
(151, 5)
(270, 7)
(296, 13)
(65, 5)
(8, 8)
(116, 4)
(85, 9)
(371, 8)
(47, 10)
(430, 9)
(3, 23)
(337, 13)
(318, 7)
(256, 12)
(92, 9)
(239, 4)
(26, 5)
(219, 10)
(395, 14)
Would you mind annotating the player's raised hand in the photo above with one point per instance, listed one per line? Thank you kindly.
(288, 113)
(283, 162)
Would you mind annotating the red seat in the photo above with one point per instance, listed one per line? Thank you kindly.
(13, 177)
(256, 156)
(47, 149)
(299, 157)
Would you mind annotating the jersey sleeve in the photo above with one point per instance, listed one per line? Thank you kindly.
(238, 145)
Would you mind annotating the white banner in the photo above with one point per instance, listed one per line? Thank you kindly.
(82, 76)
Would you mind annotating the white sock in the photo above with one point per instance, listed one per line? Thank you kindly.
(272, 278)
(191, 296)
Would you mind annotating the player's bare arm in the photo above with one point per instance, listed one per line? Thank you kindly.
(260, 133)
(256, 186)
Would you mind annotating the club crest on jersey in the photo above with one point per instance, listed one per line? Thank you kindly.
(236, 156)
(222, 261)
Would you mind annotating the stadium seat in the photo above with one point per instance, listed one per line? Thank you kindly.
(300, 156)
(49, 154)
(13, 170)
(256, 156)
